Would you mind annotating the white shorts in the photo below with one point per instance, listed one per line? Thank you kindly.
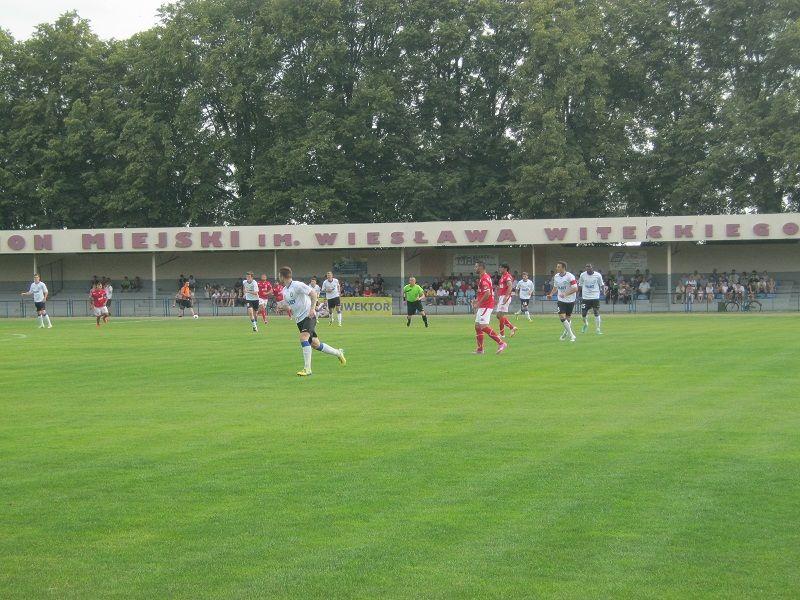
(99, 311)
(504, 306)
(483, 316)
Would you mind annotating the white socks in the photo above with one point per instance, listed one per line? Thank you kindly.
(339, 317)
(597, 322)
(568, 328)
(41, 321)
(307, 356)
(328, 349)
(47, 320)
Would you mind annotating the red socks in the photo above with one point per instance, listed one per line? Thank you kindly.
(479, 336)
(491, 333)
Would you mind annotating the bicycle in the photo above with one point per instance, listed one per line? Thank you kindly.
(744, 306)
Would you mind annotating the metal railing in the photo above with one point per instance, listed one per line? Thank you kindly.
(656, 303)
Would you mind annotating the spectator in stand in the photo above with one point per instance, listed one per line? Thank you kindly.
(126, 284)
(680, 292)
(137, 283)
(181, 280)
(689, 298)
(644, 289)
(192, 283)
(441, 295)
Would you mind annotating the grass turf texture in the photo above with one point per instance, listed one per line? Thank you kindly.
(185, 459)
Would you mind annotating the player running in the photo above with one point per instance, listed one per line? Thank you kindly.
(39, 292)
(302, 300)
(99, 300)
(590, 283)
(250, 289)
(264, 292)
(333, 292)
(483, 305)
(567, 287)
(412, 293)
(524, 288)
(504, 293)
(183, 300)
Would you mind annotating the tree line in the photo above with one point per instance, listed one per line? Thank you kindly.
(310, 111)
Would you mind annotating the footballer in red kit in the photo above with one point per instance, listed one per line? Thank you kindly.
(483, 305)
(264, 292)
(99, 299)
(280, 303)
(504, 291)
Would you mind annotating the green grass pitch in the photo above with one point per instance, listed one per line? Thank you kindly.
(181, 458)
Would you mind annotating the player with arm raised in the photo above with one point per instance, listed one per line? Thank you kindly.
(302, 300)
(483, 305)
(565, 284)
(504, 293)
(39, 292)
(525, 290)
(591, 285)
(333, 292)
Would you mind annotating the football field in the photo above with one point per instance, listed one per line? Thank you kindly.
(182, 458)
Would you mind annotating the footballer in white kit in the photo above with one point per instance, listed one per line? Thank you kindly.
(250, 289)
(525, 289)
(591, 285)
(566, 287)
(39, 292)
(333, 292)
(302, 300)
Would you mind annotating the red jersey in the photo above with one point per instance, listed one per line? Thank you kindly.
(278, 291)
(98, 298)
(264, 289)
(485, 285)
(504, 287)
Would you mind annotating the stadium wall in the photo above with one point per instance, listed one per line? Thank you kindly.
(782, 259)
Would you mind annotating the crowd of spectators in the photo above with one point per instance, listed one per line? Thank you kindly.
(126, 285)
(698, 287)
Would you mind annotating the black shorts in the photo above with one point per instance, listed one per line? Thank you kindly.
(252, 304)
(415, 307)
(524, 302)
(593, 303)
(565, 308)
(308, 325)
(185, 303)
(39, 305)
(333, 302)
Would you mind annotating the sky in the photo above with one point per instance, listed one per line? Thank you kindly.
(109, 18)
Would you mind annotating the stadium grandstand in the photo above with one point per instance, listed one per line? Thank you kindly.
(147, 266)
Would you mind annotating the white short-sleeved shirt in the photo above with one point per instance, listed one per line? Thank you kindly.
(591, 285)
(296, 295)
(331, 288)
(250, 289)
(316, 288)
(562, 283)
(525, 289)
(38, 290)
(109, 291)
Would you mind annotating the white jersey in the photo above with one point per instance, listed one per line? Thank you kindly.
(316, 288)
(562, 283)
(109, 291)
(331, 288)
(250, 289)
(38, 290)
(296, 295)
(591, 285)
(525, 289)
